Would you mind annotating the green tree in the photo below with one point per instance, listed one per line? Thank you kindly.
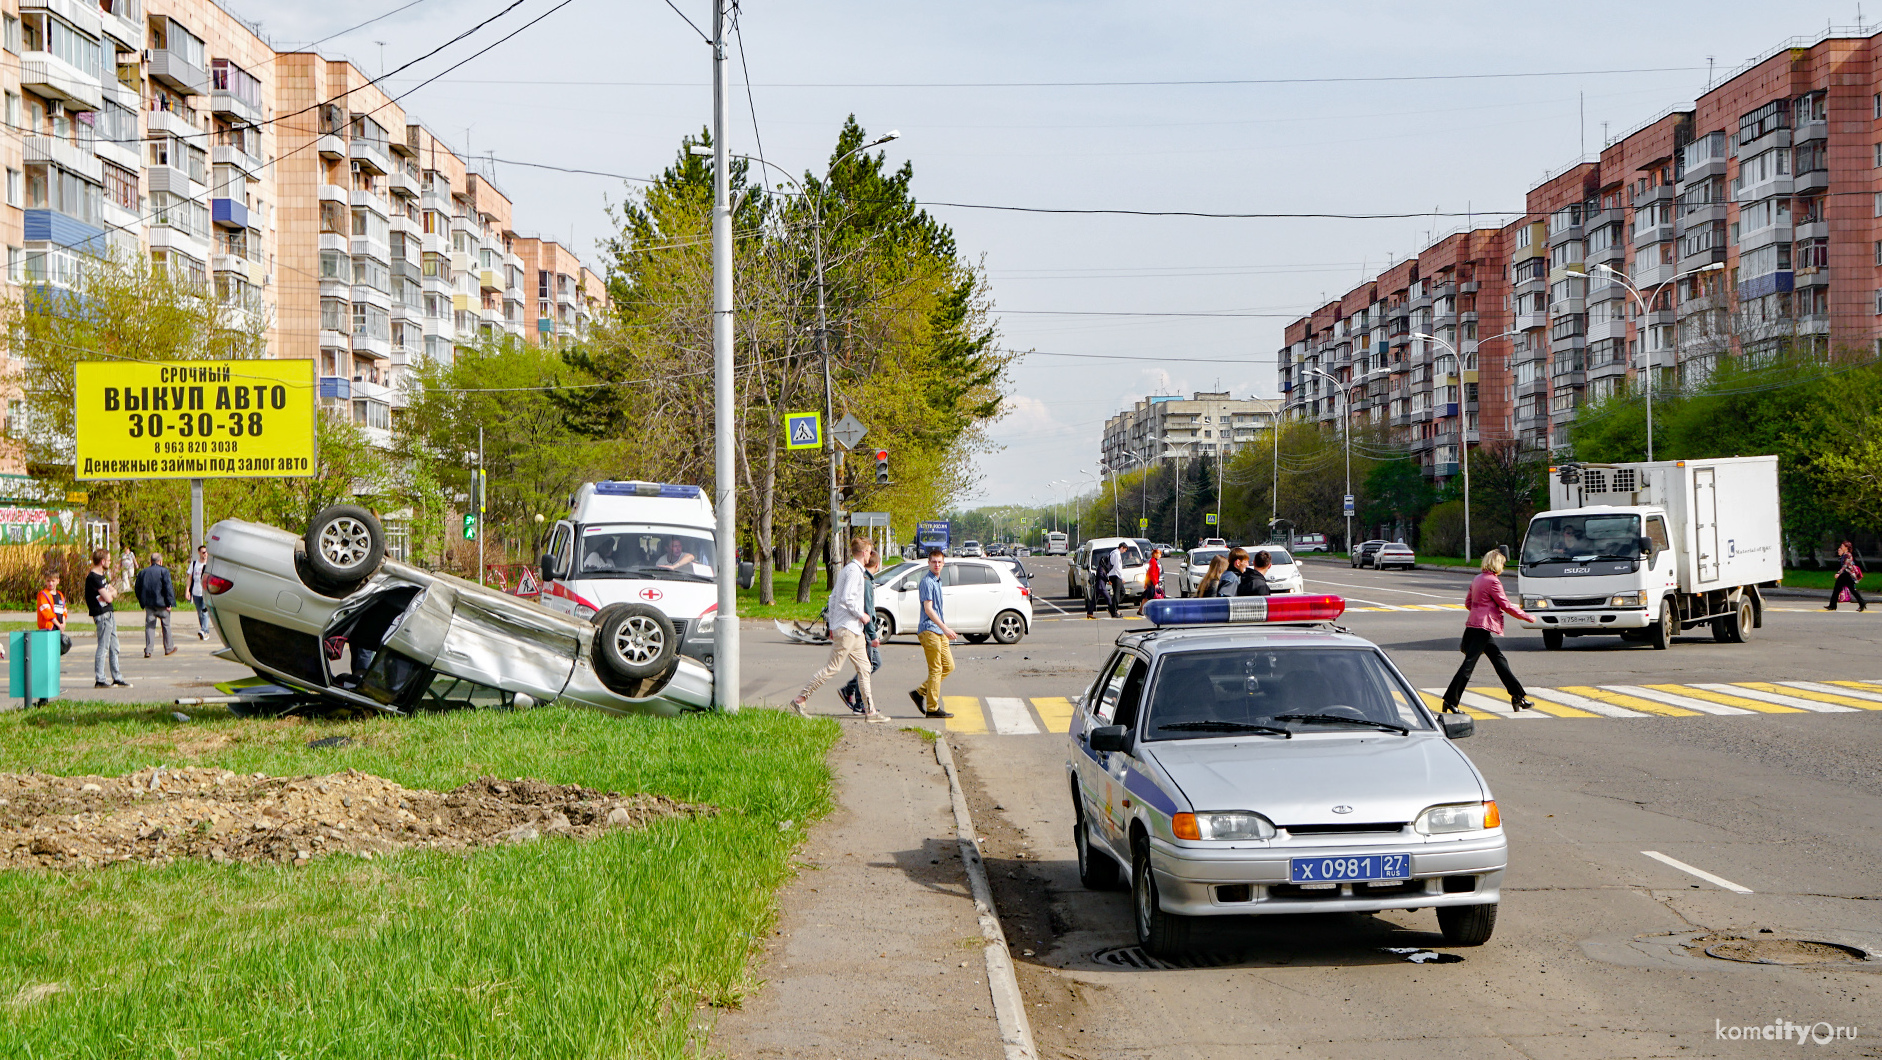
(1395, 491)
(1507, 488)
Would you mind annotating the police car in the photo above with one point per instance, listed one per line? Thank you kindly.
(1248, 757)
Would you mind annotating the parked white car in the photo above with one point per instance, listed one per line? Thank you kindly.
(979, 600)
(1191, 572)
(1136, 565)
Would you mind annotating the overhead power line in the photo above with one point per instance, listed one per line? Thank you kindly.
(1203, 82)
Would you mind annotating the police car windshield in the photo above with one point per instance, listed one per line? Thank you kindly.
(1278, 687)
(621, 550)
(1572, 537)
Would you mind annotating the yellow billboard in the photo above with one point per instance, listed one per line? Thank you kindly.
(194, 419)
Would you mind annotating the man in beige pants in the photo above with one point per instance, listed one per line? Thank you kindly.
(847, 617)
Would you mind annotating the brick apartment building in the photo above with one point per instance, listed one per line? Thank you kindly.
(1745, 224)
(282, 180)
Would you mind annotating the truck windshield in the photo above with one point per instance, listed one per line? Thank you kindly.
(623, 550)
(1581, 537)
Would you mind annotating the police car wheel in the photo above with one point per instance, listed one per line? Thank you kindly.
(1161, 934)
(635, 641)
(1096, 870)
(1467, 925)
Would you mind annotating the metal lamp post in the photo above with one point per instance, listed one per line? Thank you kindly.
(1274, 516)
(1346, 428)
(1646, 354)
(1464, 447)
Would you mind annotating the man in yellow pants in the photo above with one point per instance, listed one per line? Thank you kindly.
(934, 634)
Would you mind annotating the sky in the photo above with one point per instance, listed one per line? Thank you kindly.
(1454, 108)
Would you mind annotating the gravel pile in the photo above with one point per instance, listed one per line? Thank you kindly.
(158, 815)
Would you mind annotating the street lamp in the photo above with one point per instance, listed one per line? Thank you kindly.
(1645, 353)
(823, 331)
(1464, 451)
(1274, 516)
(1346, 428)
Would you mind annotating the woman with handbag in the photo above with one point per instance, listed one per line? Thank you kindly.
(1846, 578)
(1153, 581)
(1487, 604)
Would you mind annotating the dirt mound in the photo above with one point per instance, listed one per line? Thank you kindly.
(159, 815)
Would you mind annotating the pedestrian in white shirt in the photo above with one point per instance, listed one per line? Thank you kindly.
(847, 617)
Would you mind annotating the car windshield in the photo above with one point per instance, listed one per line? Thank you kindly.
(889, 575)
(1278, 687)
(1276, 556)
(1201, 557)
(1582, 537)
(621, 550)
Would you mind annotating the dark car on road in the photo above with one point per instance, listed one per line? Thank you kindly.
(1364, 553)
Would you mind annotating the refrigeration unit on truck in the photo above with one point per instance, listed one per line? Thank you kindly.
(1645, 550)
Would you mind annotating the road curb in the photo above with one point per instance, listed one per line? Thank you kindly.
(1008, 1006)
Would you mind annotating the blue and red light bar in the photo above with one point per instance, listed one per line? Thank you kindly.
(1238, 610)
(645, 489)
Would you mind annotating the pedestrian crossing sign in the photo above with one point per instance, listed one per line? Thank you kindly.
(803, 430)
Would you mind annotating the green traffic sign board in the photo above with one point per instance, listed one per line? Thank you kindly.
(470, 526)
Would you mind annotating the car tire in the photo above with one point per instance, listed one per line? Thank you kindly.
(1738, 626)
(1008, 627)
(1552, 639)
(635, 641)
(1161, 934)
(1662, 632)
(1467, 925)
(1096, 870)
(975, 638)
(344, 546)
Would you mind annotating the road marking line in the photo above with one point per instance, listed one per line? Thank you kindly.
(1658, 694)
(1543, 704)
(1500, 696)
(1055, 711)
(1435, 700)
(1784, 697)
(1388, 589)
(1594, 706)
(1631, 702)
(1864, 686)
(1010, 716)
(1726, 698)
(1849, 697)
(967, 718)
(1500, 708)
(1701, 873)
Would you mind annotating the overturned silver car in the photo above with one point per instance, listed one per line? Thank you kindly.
(325, 616)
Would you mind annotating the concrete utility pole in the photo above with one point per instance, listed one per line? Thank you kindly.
(482, 485)
(725, 680)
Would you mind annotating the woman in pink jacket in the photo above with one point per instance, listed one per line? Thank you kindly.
(1487, 605)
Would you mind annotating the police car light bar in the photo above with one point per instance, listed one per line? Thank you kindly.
(645, 489)
(1216, 610)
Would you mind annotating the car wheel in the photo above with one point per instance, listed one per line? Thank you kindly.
(1663, 631)
(345, 545)
(975, 638)
(885, 624)
(1552, 639)
(1738, 627)
(1008, 627)
(1161, 934)
(1096, 870)
(1467, 925)
(635, 641)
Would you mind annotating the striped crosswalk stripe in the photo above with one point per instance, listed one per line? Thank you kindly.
(1862, 700)
(1633, 703)
(1808, 700)
(1010, 716)
(967, 718)
(1546, 696)
(1659, 694)
(1055, 711)
(1707, 694)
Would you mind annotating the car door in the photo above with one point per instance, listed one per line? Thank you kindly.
(969, 592)
(903, 600)
(1095, 709)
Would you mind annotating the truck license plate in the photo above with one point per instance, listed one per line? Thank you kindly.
(1578, 620)
(1350, 869)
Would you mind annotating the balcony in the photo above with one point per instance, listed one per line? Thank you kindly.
(371, 156)
(224, 155)
(488, 280)
(229, 213)
(51, 226)
(1469, 287)
(48, 75)
(1532, 388)
(1531, 321)
(399, 182)
(1420, 445)
(1812, 276)
(233, 105)
(1811, 130)
(337, 387)
(1816, 180)
(40, 149)
(1657, 193)
(371, 346)
(172, 69)
(331, 147)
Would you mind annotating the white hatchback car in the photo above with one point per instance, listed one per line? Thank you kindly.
(979, 600)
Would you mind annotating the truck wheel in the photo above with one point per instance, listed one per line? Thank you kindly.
(635, 641)
(1552, 639)
(345, 545)
(1467, 925)
(1662, 634)
(1738, 626)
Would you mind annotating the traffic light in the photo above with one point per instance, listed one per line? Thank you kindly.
(882, 467)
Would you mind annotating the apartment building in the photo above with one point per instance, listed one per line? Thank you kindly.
(283, 181)
(1744, 224)
(1203, 424)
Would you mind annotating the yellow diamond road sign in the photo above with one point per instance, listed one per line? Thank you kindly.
(194, 419)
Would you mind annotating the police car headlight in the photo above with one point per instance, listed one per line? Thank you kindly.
(1532, 603)
(583, 611)
(1233, 824)
(1462, 817)
(1627, 600)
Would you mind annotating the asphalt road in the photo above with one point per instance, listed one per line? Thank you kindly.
(1595, 952)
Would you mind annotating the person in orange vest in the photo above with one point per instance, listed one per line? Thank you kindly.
(51, 608)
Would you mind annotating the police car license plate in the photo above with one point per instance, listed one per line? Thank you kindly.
(1578, 620)
(1350, 869)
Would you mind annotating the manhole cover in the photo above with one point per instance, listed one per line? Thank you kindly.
(1135, 957)
(1783, 951)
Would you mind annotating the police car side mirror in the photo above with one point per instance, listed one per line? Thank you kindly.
(1111, 738)
(1457, 726)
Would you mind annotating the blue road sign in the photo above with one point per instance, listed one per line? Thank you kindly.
(803, 430)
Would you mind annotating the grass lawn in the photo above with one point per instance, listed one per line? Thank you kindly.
(787, 607)
(551, 948)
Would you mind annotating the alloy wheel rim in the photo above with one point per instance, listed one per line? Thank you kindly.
(345, 542)
(639, 639)
(1009, 625)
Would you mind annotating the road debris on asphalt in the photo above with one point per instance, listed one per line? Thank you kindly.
(158, 815)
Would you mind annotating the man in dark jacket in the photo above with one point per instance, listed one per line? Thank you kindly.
(157, 593)
(1241, 579)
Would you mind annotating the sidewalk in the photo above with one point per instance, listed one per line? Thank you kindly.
(192, 671)
(876, 952)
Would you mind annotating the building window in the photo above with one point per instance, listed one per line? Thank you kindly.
(10, 38)
(14, 179)
(120, 185)
(1878, 303)
(16, 263)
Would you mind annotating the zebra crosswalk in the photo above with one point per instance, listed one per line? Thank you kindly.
(1026, 716)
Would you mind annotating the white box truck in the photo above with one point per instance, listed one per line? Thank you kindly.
(1645, 550)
